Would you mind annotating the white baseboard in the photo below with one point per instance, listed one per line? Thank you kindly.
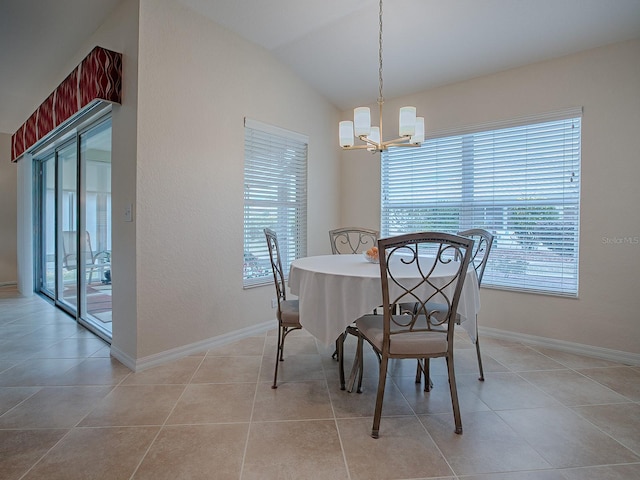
(8, 284)
(156, 359)
(626, 358)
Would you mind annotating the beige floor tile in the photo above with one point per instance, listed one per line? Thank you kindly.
(622, 422)
(293, 401)
(177, 372)
(20, 449)
(487, 342)
(214, 403)
(504, 391)
(622, 380)
(36, 372)
(571, 388)
(438, 399)
(571, 360)
(246, 346)
(72, 348)
(12, 396)
(294, 368)
(466, 362)
(104, 352)
(228, 370)
(348, 405)
(522, 359)
(135, 405)
(19, 352)
(564, 439)
(486, 445)
(57, 330)
(209, 406)
(54, 407)
(93, 371)
(301, 345)
(609, 472)
(294, 450)
(535, 475)
(403, 450)
(95, 453)
(195, 452)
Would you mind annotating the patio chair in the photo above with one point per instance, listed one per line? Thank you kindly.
(92, 261)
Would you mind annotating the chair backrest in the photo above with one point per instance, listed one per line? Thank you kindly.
(352, 240)
(70, 250)
(481, 248)
(408, 274)
(276, 265)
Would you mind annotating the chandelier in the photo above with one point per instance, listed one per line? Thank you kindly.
(411, 128)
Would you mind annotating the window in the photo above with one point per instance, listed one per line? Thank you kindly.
(275, 196)
(519, 180)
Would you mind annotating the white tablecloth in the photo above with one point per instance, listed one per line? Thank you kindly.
(335, 290)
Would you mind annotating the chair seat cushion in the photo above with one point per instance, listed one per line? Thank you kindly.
(290, 313)
(409, 343)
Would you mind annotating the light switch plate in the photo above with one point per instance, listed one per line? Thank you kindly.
(128, 213)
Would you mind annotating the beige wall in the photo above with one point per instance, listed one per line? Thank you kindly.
(606, 82)
(197, 82)
(8, 213)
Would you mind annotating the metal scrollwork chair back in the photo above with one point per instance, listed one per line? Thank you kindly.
(423, 332)
(352, 240)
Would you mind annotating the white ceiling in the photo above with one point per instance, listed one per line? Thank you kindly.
(332, 44)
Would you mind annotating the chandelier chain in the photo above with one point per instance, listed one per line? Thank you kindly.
(380, 97)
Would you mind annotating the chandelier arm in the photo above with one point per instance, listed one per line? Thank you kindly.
(397, 141)
(356, 147)
(370, 142)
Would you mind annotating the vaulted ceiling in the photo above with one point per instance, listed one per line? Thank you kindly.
(332, 44)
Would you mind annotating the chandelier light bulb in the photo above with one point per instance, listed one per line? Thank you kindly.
(418, 136)
(346, 133)
(407, 121)
(374, 137)
(362, 121)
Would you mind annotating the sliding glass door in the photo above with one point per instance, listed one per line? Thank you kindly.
(73, 185)
(67, 220)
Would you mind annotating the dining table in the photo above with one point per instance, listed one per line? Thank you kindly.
(335, 290)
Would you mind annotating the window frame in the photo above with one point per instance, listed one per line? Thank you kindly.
(275, 196)
(542, 257)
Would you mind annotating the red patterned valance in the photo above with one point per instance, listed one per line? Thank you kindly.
(98, 77)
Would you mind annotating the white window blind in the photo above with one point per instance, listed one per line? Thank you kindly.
(275, 196)
(522, 183)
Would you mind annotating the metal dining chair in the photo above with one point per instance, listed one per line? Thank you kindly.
(352, 240)
(349, 240)
(288, 313)
(483, 241)
(422, 332)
